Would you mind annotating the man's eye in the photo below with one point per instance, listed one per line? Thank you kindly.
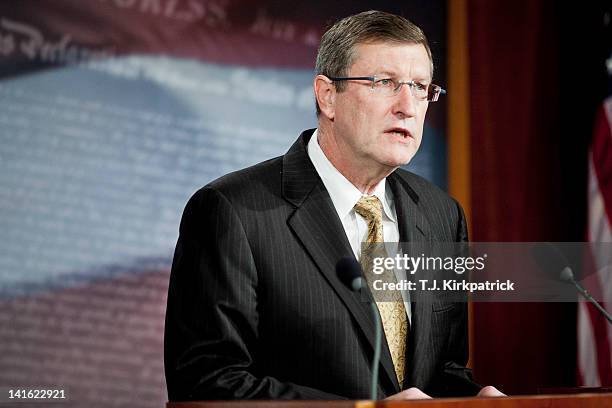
(420, 87)
(386, 82)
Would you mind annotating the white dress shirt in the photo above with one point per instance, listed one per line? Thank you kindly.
(344, 196)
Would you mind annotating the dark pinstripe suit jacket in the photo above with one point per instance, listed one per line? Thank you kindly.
(255, 309)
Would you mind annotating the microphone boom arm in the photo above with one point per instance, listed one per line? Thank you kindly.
(590, 298)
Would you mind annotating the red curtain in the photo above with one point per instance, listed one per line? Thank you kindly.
(531, 69)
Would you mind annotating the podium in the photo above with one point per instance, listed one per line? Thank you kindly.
(595, 400)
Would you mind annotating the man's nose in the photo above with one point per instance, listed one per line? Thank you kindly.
(405, 102)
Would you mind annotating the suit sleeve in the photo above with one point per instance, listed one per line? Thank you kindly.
(456, 377)
(211, 332)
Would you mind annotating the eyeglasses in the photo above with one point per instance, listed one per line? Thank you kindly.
(391, 87)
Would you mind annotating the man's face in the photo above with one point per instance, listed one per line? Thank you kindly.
(378, 130)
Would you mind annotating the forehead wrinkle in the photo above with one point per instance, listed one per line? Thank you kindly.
(373, 66)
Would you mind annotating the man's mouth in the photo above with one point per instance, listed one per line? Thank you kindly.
(402, 132)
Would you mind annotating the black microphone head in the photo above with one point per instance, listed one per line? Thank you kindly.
(349, 272)
(552, 261)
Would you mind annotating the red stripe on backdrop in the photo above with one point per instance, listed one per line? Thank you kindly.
(255, 34)
(264, 33)
(102, 341)
(602, 157)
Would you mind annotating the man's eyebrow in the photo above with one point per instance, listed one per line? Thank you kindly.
(385, 73)
(391, 74)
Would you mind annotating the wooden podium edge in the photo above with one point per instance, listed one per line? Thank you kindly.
(587, 400)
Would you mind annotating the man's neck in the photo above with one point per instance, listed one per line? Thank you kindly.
(363, 176)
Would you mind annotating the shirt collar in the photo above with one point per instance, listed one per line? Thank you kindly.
(343, 193)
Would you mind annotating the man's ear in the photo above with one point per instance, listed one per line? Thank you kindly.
(325, 92)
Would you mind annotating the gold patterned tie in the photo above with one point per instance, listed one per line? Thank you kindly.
(392, 311)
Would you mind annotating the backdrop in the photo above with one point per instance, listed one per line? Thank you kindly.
(112, 113)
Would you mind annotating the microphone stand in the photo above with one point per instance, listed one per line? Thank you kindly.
(570, 278)
(350, 273)
(376, 360)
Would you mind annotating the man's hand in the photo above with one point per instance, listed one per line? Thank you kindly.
(490, 391)
(414, 394)
(410, 394)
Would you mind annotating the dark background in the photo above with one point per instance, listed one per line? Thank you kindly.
(537, 77)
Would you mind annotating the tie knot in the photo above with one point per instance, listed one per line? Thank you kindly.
(369, 208)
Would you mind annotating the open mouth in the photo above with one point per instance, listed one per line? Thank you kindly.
(403, 133)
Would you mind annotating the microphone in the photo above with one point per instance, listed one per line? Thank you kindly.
(551, 259)
(350, 273)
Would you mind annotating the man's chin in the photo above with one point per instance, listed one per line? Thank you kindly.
(399, 160)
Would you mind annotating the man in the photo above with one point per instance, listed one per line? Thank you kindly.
(255, 309)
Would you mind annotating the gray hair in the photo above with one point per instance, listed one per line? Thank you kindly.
(337, 49)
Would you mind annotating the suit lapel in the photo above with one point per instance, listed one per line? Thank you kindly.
(414, 227)
(316, 224)
(412, 224)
